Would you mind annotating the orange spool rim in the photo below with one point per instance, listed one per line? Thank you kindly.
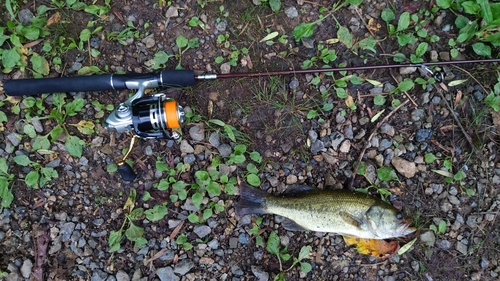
(172, 120)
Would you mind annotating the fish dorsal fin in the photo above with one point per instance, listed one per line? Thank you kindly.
(290, 225)
(296, 190)
(350, 219)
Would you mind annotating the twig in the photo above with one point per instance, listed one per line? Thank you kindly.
(379, 124)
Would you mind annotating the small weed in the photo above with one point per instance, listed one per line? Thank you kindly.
(37, 177)
(273, 247)
(184, 45)
(440, 228)
(6, 195)
(493, 98)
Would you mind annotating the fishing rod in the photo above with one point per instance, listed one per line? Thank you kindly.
(157, 116)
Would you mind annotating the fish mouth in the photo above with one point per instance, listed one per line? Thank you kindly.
(407, 229)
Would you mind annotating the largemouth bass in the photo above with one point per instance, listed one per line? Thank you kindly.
(343, 212)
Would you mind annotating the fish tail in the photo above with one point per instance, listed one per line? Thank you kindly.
(252, 201)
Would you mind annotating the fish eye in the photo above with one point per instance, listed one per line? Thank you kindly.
(399, 216)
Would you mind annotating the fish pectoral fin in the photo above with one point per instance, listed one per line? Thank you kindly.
(350, 219)
(290, 225)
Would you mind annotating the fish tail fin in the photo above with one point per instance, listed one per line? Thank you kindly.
(252, 201)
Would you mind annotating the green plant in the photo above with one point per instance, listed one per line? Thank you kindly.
(184, 45)
(37, 177)
(440, 229)
(255, 230)
(121, 37)
(274, 4)
(273, 247)
(481, 10)
(6, 195)
(493, 98)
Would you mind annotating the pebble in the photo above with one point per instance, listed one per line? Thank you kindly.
(385, 144)
(423, 135)
(406, 168)
(417, 114)
(221, 26)
(225, 68)
(259, 273)
(407, 70)
(243, 238)
(233, 242)
(202, 230)
(345, 147)
(225, 150)
(461, 247)
(291, 179)
(197, 133)
(189, 159)
(167, 274)
(122, 276)
(294, 83)
(444, 244)
(214, 139)
(66, 231)
(26, 268)
(14, 138)
(185, 147)
(428, 237)
(25, 16)
(291, 12)
(183, 267)
(317, 147)
(99, 275)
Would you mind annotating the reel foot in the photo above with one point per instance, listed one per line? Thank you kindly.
(126, 172)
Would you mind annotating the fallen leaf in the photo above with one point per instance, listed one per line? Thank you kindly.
(374, 25)
(406, 247)
(373, 247)
(55, 18)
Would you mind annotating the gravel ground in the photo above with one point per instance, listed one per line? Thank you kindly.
(61, 231)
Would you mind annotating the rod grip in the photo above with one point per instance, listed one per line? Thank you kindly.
(177, 78)
(29, 87)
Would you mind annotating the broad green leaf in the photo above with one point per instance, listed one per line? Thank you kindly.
(30, 32)
(55, 133)
(31, 179)
(193, 218)
(10, 58)
(471, 7)
(387, 15)
(406, 85)
(312, 114)
(429, 158)
(255, 156)
(379, 100)
(74, 145)
(275, 5)
(197, 199)
(163, 184)
(253, 179)
(305, 29)
(368, 44)
(157, 213)
(22, 160)
(482, 49)
(230, 188)
(273, 243)
(345, 36)
(444, 4)
(207, 213)
(29, 130)
(3, 117)
(214, 188)
(134, 232)
(114, 240)
(404, 21)
(251, 168)
(181, 41)
(304, 252)
(421, 49)
(230, 133)
(386, 174)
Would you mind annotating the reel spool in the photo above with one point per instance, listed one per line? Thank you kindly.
(148, 117)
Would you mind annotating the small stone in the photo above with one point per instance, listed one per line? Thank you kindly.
(291, 12)
(437, 188)
(385, 144)
(26, 268)
(387, 129)
(172, 12)
(202, 230)
(446, 206)
(404, 167)
(14, 138)
(25, 16)
(67, 230)
(99, 275)
(259, 273)
(225, 150)
(206, 260)
(294, 83)
(189, 159)
(317, 147)
(225, 68)
(221, 26)
(417, 114)
(243, 238)
(122, 276)
(214, 139)
(213, 244)
(167, 274)
(428, 238)
(197, 133)
(291, 179)
(185, 147)
(444, 244)
(313, 135)
(407, 70)
(183, 267)
(233, 242)
(345, 147)
(484, 262)
(461, 247)
(423, 135)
